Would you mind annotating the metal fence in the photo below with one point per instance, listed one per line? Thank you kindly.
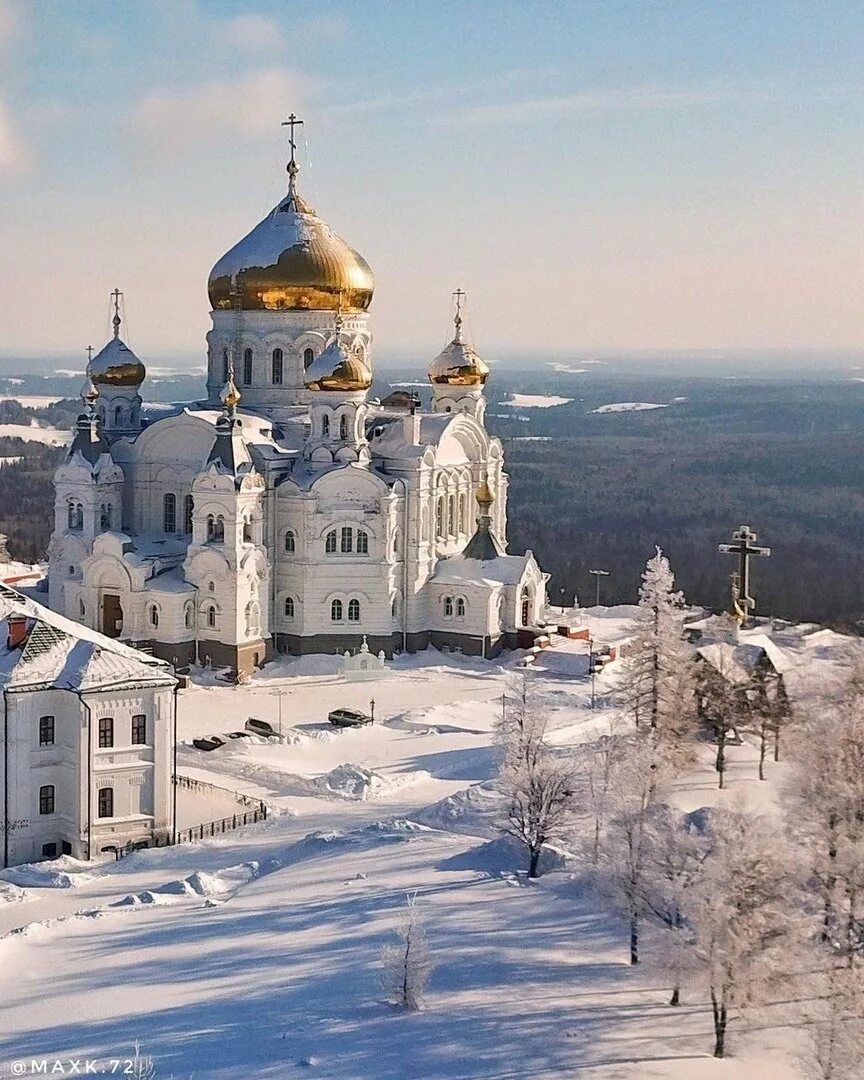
(226, 824)
(207, 788)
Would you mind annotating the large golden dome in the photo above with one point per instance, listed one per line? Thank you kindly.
(292, 260)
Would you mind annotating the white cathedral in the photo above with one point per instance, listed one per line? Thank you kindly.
(289, 511)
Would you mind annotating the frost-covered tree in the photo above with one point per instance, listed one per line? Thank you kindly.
(656, 689)
(836, 1023)
(141, 1065)
(722, 702)
(521, 727)
(596, 766)
(407, 962)
(741, 912)
(638, 776)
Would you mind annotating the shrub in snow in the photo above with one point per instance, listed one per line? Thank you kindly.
(141, 1065)
(407, 963)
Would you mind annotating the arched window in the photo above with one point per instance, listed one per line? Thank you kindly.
(76, 516)
(354, 610)
(169, 513)
(289, 607)
(219, 529)
(451, 515)
(336, 611)
(325, 425)
(247, 532)
(463, 513)
(448, 606)
(526, 607)
(211, 526)
(105, 517)
(82, 611)
(308, 357)
(225, 364)
(154, 615)
(290, 542)
(253, 617)
(188, 507)
(211, 615)
(188, 616)
(276, 367)
(362, 542)
(247, 367)
(397, 541)
(460, 607)
(439, 516)
(330, 542)
(346, 542)
(343, 426)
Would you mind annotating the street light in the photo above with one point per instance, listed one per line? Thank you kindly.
(372, 710)
(280, 693)
(597, 575)
(591, 667)
(562, 599)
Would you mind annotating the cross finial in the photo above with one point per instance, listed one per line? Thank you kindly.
(291, 123)
(89, 351)
(337, 322)
(115, 296)
(459, 296)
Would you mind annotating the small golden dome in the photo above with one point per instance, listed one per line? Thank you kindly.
(484, 496)
(292, 260)
(337, 368)
(117, 365)
(458, 364)
(230, 395)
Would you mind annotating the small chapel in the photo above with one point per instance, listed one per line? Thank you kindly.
(289, 511)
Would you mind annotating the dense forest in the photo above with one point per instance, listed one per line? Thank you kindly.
(600, 490)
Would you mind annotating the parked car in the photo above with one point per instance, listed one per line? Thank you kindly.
(212, 742)
(238, 734)
(260, 727)
(348, 718)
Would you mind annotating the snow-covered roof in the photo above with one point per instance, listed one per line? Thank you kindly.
(58, 652)
(736, 663)
(459, 570)
(387, 437)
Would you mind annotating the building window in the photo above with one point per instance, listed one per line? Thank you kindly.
(330, 542)
(346, 541)
(448, 606)
(439, 516)
(139, 730)
(290, 542)
(105, 517)
(343, 427)
(106, 732)
(46, 730)
(276, 368)
(215, 528)
(118, 416)
(247, 367)
(460, 608)
(154, 615)
(225, 365)
(188, 507)
(308, 357)
(325, 425)
(362, 542)
(451, 515)
(463, 513)
(289, 607)
(336, 611)
(354, 610)
(247, 532)
(49, 851)
(188, 616)
(82, 611)
(211, 615)
(169, 513)
(46, 799)
(71, 570)
(106, 802)
(253, 618)
(75, 516)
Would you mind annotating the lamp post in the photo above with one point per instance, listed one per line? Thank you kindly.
(591, 667)
(280, 693)
(597, 575)
(372, 710)
(562, 600)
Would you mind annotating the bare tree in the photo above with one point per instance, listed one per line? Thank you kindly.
(722, 701)
(741, 910)
(407, 962)
(596, 765)
(836, 1023)
(141, 1065)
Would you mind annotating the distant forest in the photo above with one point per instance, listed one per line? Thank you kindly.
(601, 490)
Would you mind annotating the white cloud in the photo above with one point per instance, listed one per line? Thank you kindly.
(634, 99)
(10, 21)
(188, 120)
(250, 33)
(14, 154)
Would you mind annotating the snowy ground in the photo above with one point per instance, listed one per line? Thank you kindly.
(34, 432)
(255, 954)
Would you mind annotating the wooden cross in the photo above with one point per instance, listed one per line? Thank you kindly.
(745, 548)
(291, 123)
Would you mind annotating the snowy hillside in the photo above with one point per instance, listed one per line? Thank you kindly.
(256, 954)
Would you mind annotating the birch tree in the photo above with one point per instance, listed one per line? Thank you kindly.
(741, 912)
(407, 962)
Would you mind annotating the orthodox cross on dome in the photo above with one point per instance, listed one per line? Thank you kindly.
(291, 123)
(745, 548)
(116, 296)
(89, 351)
(459, 297)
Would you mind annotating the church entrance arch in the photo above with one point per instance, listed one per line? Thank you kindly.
(112, 615)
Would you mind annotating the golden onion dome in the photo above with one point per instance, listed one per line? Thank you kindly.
(458, 364)
(292, 260)
(116, 365)
(337, 368)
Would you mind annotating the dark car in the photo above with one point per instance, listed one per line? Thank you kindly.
(238, 734)
(211, 743)
(260, 727)
(348, 718)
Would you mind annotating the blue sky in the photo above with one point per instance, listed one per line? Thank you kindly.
(596, 175)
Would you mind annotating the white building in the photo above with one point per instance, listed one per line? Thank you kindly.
(87, 738)
(311, 515)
